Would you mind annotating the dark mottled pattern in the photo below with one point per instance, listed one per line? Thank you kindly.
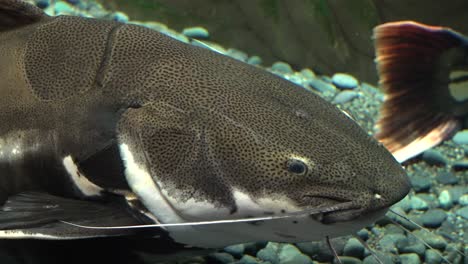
(56, 73)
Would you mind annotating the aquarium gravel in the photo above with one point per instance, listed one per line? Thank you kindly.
(438, 201)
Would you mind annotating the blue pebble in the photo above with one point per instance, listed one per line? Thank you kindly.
(254, 60)
(460, 165)
(344, 81)
(196, 32)
(247, 259)
(220, 258)
(434, 158)
(235, 250)
(73, 2)
(418, 203)
(445, 199)
(282, 67)
(410, 258)
(432, 256)
(322, 86)
(349, 260)
(120, 17)
(353, 248)
(237, 54)
(42, 3)
(463, 212)
(289, 254)
(389, 241)
(420, 183)
(345, 96)
(461, 137)
(446, 178)
(433, 218)
(269, 253)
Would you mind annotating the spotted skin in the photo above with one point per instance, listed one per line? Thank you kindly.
(202, 124)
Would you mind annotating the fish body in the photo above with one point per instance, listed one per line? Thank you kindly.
(109, 124)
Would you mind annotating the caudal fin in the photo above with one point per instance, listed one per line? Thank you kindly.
(414, 63)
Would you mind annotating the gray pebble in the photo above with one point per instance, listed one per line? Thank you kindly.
(432, 256)
(463, 200)
(247, 259)
(289, 254)
(420, 183)
(220, 258)
(282, 67)
(344, 81)
(254, 60)
(322, 86)
(431, 239)
(235, 250)
(433, 218)
(348, 260)
(196, 32)
(463, 212)
(445, 199)
(353, 248)
(410, 258)
(418, 203)
(461, 137)
(345, 96)
(434, 158)
(446, 178)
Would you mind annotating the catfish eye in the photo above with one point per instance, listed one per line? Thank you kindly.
(296, 166)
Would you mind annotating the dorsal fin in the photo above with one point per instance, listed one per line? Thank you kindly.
(16, 13)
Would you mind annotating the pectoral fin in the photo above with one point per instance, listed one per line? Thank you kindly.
(39, 215)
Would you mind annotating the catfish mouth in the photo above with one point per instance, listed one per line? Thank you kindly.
(342, 210)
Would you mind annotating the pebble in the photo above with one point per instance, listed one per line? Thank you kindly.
(420, 183)
(269, 253)
(433, 218)
(309, 248)
(308, 73)
(404, 204)
(235, 250)
(42, 3)
(344, 81)
(196, 32)
(431, 239)
(64, 8)
(411, 245)
(447, 178)
(348, 260)
(418, 203)
(460, 165)
(461, 137)
(237, 54)
(410, 258)
(322, 86)
(463, 212)
(434, 158)
(220, 258)
(457, 191)
(247, 259)
(345, 96)
(254, 60)
(432, 256)
(353, 248)
(386, 258)
(282, 67)
(289, 254)
(120, 17)
(445, 199)
(363, 234)
(463, 200)
(389, 241)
